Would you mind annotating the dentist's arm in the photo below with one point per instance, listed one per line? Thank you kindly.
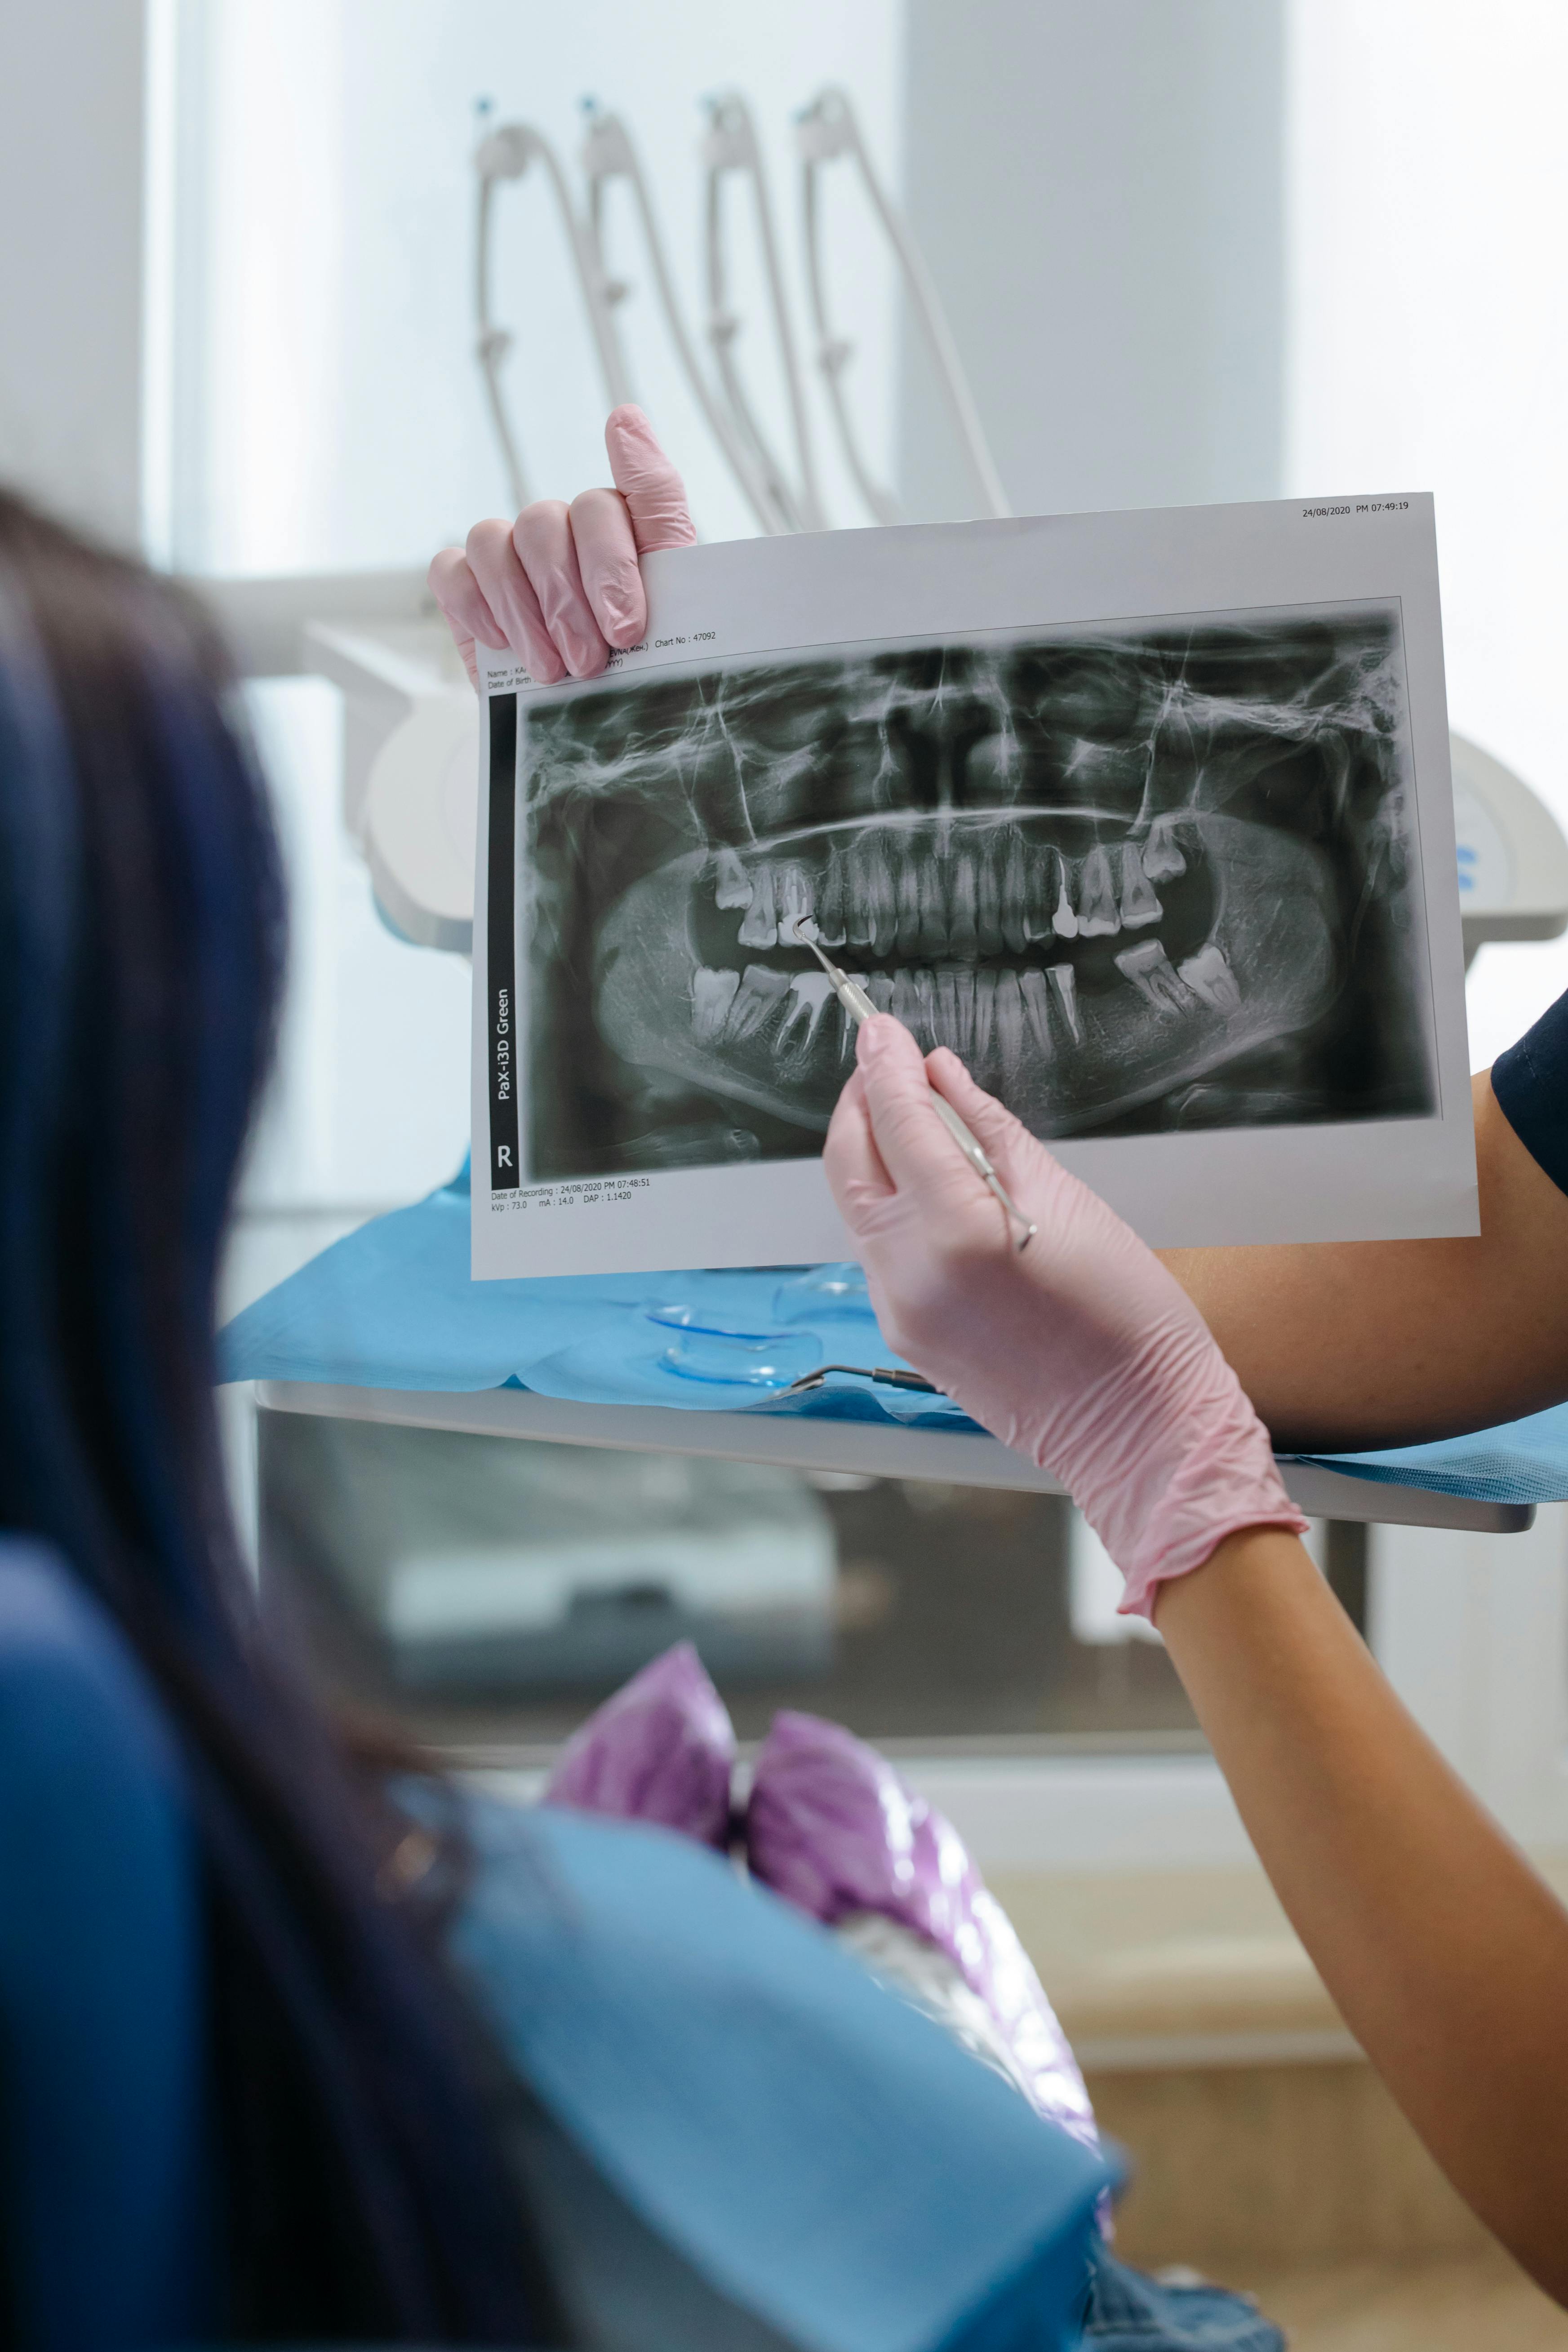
(1364, 1344)
(1448, 1956)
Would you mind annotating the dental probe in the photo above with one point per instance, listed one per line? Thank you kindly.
(859, 1007)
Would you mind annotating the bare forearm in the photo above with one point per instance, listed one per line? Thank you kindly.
(1387, 1343)
(1446, 1955)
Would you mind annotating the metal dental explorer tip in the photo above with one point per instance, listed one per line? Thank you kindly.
(859, 1007)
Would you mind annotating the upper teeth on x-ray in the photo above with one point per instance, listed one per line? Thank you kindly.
(1142, 878)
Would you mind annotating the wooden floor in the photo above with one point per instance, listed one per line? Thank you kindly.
(1479, 2303)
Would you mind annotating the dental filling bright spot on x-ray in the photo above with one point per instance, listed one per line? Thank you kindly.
(1139, 878)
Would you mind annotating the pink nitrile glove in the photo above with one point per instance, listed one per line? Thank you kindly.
(1082, 1353)
(561, 586)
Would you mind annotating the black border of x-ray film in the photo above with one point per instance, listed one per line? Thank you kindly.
(500, 946)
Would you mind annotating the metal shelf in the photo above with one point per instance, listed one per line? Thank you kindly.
(950, 1456)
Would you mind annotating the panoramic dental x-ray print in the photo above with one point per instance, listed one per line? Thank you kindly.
(1141, 878)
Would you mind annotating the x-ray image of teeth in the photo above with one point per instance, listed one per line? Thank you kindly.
(1138, 879)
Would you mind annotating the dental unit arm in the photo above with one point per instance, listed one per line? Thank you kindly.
(731, 149)
(828, 130)
(506, 154)
(608, 154)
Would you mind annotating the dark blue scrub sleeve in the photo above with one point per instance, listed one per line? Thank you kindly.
(1531, 1083)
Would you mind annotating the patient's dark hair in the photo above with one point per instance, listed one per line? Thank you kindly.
(141, 935)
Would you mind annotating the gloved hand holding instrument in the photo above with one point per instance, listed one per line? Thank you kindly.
(1080, 1352)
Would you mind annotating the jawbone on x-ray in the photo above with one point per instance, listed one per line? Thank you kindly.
(1139, 878)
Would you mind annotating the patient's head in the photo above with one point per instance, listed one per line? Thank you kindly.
(140, 951)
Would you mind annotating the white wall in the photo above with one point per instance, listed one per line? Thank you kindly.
(332, 414)
(1472, 1630)
(1098, 191)
(71, 122)
(1428, 349)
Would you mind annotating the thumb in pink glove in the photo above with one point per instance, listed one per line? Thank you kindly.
(563, 584)
(1083, 1353)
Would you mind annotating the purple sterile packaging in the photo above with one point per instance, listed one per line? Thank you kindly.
(832, 1829)
(662, 1749)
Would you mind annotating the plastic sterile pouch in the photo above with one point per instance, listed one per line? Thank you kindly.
(922, 1974)
(662, 1749)
(831, 1828)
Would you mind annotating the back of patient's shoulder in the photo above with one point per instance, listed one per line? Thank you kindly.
(823, 2152)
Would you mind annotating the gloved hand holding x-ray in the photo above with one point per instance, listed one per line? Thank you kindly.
(1174, 872)
(562, 584)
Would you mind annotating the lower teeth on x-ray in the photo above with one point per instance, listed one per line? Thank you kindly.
(1138, 879)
